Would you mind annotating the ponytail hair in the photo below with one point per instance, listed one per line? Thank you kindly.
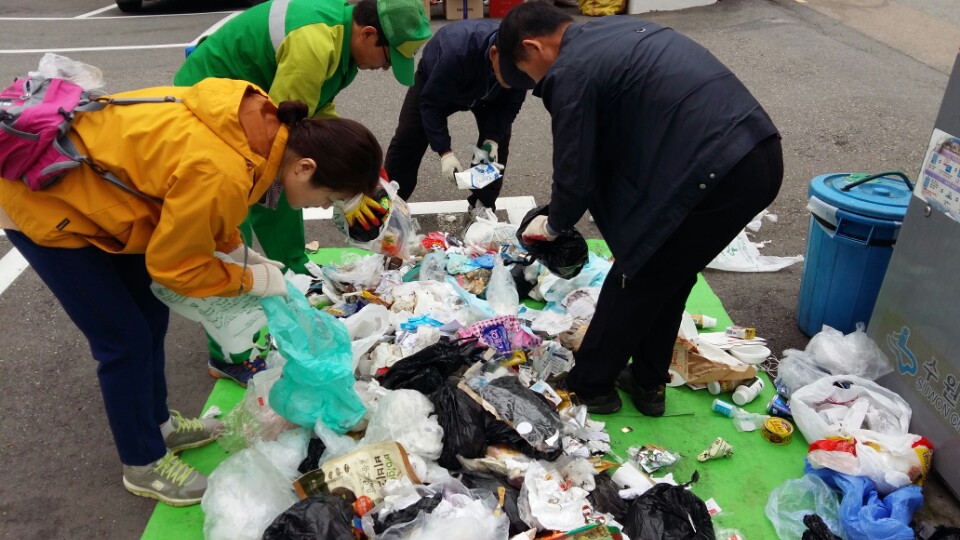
(347, 154)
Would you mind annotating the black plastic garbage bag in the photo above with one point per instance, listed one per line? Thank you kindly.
(315, 451)
(426, 370)
(408, 514)
(606, 497)
(666, 512)
(489, 482)
(318, 517)
(462, 420)
(523, 408)
(564, 256)
(817, 529)
(500, 433)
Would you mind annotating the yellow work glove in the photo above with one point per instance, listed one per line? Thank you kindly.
(363, 210)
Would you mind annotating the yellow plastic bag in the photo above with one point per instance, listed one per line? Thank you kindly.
(599, 8)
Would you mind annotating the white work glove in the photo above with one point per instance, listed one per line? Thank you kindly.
(267, 280)
(252, 257)
(449, 164)
(538, 230)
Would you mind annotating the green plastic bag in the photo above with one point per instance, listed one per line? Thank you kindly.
(317, 381)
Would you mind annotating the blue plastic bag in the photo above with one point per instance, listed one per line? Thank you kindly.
(864, 515)
(317, 381)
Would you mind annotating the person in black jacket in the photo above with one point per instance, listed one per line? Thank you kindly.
(456, 73)
(671, 154)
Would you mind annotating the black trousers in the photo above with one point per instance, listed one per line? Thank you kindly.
(410, 142)
(639, 317)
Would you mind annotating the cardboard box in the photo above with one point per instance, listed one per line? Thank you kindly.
(453, 9)
(712, 364)
(499, 8)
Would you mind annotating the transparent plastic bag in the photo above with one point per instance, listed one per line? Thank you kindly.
(830, 352)
(354, 269)
(318, 380)
(434, 266)
(253, 419)
(502, 292)
(249, 489)
(397, 235)
(54, 66)
(795, 498)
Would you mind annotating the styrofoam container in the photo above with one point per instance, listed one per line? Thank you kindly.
(750, 354)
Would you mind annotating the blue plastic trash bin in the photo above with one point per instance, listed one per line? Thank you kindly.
(854, 223)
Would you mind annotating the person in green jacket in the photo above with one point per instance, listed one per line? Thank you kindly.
(305, 50)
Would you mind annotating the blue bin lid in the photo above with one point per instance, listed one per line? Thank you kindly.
(886, 197)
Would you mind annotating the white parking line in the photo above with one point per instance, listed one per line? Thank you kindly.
(96, 12)
(13, 264)
(114, 17)
(88, 49)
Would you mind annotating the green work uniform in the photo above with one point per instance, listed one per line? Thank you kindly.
(295, 50)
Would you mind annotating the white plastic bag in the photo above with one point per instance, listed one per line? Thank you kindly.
(546, 505)
(832, 353)
(251, 488)
(60, 67)
(841, 405)
(742, 255)
(406, 416)
(890, 461)
(366, 327)
(502, 290)
(233, 322)
(487, 234)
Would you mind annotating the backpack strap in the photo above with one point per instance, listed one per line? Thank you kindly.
(66, 146)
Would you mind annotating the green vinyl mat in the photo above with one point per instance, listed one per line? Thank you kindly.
(740, 484)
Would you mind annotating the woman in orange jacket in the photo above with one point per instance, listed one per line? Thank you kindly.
(198, 164)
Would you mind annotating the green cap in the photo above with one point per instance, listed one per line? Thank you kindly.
(407, 27)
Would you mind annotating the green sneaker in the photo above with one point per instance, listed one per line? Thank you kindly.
(168, 480)
(191, 432)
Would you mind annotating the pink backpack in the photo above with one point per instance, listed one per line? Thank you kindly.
(35, 116)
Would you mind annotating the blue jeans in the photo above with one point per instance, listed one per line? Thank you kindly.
(108, 297)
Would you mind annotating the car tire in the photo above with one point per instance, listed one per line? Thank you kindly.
(129, 6)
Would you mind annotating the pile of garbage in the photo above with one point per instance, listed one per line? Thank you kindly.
(860, 447)
(411, 394)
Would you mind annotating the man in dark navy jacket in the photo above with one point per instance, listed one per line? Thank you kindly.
(671, 154)
(456, 73)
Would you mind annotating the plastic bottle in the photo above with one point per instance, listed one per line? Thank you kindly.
(748, 391)
(718, 387)
(703, 321)
(723, 407)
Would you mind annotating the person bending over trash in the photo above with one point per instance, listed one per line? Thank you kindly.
(457, 72)
(669, 152)
(304, 50)
(193, 169)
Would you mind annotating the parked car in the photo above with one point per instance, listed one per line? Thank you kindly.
(129, 6)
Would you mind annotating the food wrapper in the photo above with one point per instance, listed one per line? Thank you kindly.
(362, 472)
(479, 176)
